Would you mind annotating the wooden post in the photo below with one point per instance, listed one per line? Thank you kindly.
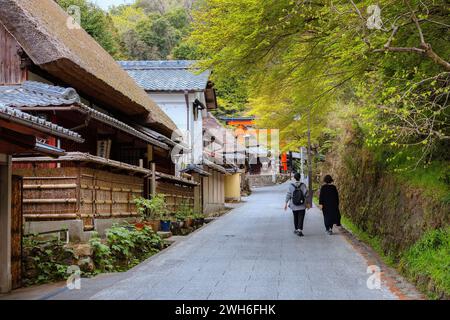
(5, 223)
(153, 183)
(78, 190)
(16, 232)
(111, 194)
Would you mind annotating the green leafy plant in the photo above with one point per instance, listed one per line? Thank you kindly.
(154, 208)
(129, 246)
(124, 247)
(198, 215)
(44, 261)
(120, 243)
(102, 255)
(184, 211)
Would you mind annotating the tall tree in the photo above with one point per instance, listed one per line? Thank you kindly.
(98, 24)
(296, 56)
(147, 34)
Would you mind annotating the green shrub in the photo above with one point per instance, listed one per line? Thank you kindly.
(428, 262)
(184, 211)
(198, 215)
(102, 255)
(124, 247)
(44, 262)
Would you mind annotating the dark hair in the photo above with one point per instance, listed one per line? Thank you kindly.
(297, 176)
(328, 179)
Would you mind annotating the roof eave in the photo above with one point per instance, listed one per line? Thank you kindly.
(29, 122)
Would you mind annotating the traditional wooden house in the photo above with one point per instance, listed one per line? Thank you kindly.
(56, 71)
(181, 93)
(20, 133)
(186, 96)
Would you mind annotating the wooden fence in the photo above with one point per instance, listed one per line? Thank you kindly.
(78, 193)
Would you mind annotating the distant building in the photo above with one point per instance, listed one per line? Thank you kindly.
(258, 155)
(186, 95)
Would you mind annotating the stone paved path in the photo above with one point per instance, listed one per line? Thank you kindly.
(250, 253)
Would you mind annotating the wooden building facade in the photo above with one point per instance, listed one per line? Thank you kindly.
(54, 77)
(20, 133)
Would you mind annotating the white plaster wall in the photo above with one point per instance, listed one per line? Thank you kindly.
(198, 128)
(174, 105)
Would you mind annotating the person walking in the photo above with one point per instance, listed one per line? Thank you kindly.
(296, 199)
(329, 203)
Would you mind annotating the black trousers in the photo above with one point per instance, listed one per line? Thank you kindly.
(299, 217)
(328, 225)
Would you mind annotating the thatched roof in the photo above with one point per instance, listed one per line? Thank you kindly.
(72, 56)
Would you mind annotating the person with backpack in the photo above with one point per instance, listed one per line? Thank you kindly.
(329, 203)
(296, 199)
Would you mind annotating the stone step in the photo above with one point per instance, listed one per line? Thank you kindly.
(164, 235)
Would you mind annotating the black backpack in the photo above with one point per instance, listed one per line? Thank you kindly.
(298, 198)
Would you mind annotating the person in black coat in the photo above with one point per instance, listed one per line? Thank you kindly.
(329, 203)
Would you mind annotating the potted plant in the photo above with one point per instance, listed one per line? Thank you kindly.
(141, 208)
(199, 219)
(184, 213)
(165, 221)
(175, 226)
(189, 222)
(179, 219)
(139, 226)
(152, 211)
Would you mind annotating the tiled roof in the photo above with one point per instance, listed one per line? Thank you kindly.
(87, 158)
(162, 138)
(157, 64)
(14, 115)
(196, 169)
(37, 94)
(167, 75)
(102, 117)
(214, 166)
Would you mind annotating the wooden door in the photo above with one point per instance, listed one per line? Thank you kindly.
(16, 231)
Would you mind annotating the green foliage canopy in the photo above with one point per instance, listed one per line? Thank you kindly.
(98, 24)
(300, 56)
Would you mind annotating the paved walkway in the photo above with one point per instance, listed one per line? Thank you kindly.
(251, 253)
